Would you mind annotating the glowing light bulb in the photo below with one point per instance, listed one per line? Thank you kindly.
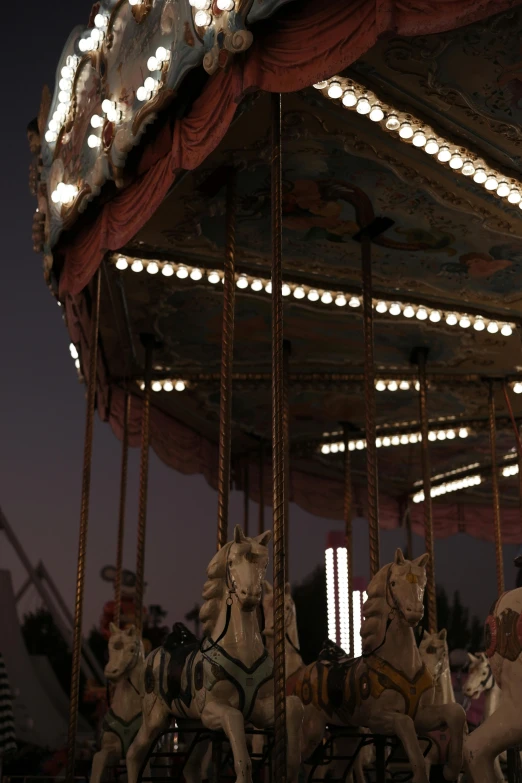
(514, 196)
(465, 322)
(386, 442)
(196, 274)
(180, 386)
(393, 122)
(313, 295)
(491, 183)
(395, 441)
(441, 435)
(96, 121)
(150, 84)
(408, 312)
(492, 327)
(393, 386)
(444, 154)
(503, 189)
(422, 313)
(349, 98)
(340, 300)
(101, 21)
(320, 85)
(213, 277)
(395, 309)
(162, 54)
(376, 113)
(451, 319)
(517, 388)
(156, 386)
(242, 281)
(363, 105)
(51, 136)
(404, 440)
(435, 316)
(326, 298)
(325, 448)
(167, 270)
(432, 436)
(93, 141)
(463, 432)
(381, 307)
(182, 272)
(141, 93)
(152, 268)
(480, 176)
(268, 287)
(479, 324)
(359, 445)
(450, 435)
(299, 292)
(334, 90)
(404, 385)
(419, 139)
(334, 448)
(168, 386)
(286, 290)
(380, 386)
(432, 146)
(506, 330)
(107, 105)
(354, 301)
(405, 131)
(256, 284)
(456, 161)
(468, 169)
(153, 64)
(122, 263)
(137, 265)
(202, 19)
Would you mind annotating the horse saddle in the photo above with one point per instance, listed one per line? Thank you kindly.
(179, 644)
(331, 653)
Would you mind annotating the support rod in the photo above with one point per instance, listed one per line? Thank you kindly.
(426, 479)
(261, 521)
(278, 451)
(287, 350)
(148, 342)
(348, 533)
(494, 487)
(121, 515)
(227, 358)
(246, 497)
(84, 523)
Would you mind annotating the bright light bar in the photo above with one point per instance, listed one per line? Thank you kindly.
(399, 439)
(167, 385)
(449, 486)
(342, 592)
(510, 470)
(330, 594)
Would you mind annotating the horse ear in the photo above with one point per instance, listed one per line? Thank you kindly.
(239, 536)
(264, 538)
(268, 587)
(422, 560)
(443, 634)
(399, 557)
(113, 628)
(425, 635)
(131, 630)
(472, 658)
(288, 589)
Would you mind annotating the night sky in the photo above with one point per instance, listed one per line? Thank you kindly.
(43, 409)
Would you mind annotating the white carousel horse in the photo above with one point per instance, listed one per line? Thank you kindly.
(125, 670)
(503, 728)
(481, 680)
(388, 690)
(226, 680)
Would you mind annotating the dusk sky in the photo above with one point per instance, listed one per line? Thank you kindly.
(42, 410)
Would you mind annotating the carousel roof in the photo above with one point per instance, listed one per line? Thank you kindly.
(423, 130)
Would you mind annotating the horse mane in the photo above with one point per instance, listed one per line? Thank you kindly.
(214, 589)
(375, 611)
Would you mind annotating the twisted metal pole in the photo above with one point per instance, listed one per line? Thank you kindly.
(84, 523)
(246, 497)
(144, 484)
(348, 533)
(494, 486)
(286, 441)
(278, 450)
(121, 516)
(261, 521)
(428, 506)
(369, 395)
(227, 358)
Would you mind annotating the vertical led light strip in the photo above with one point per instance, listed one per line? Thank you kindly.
(330, 594)
(342, 593)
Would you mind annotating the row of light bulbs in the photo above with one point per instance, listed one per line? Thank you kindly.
(339, 298)
(412, 130)
(171, 384)
(202, 10)
(449, 486)
(75, 355)
(94, 37)
(61, 112)
(394, 386)
(395, 440)
(151, 85)
(510, 470)
(64, 194)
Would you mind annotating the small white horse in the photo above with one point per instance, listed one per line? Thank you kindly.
(481, 680)
(434, 653)
(122, 722)
(503, 728)
(228, 679)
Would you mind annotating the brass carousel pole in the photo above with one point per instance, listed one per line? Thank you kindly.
(84, 522)
(287, 349)
(246, 497)
(494, 486)
(261, 521)
(227, 358)
(121, 516)
(348, 505)
(420, 358)
(148, 342)
(278, 451)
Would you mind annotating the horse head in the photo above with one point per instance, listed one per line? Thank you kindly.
(125, 650)
(434, 653)
(406, 582)
(247, 561)
(480, 676)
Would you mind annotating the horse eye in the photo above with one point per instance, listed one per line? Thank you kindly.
(393, 584)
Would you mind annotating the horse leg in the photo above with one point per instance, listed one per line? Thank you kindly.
(314, 728)
(501, 730)
(193, 771)
(403, 727)
(437, 717)
(217, 715)
(110, 751)
(155, 720)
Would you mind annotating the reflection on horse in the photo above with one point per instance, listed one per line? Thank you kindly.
(388, 690)
(125, 670)
(503, 727)
(226, 680)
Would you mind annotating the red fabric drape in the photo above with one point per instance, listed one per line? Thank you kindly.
(304, 43)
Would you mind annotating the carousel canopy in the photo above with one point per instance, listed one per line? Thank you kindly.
(423, 128)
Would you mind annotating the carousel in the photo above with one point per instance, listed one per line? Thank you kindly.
(286, 241)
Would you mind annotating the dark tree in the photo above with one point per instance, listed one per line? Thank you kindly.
(311, 609)
(464, 632)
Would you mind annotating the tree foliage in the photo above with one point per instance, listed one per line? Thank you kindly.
(465, 631)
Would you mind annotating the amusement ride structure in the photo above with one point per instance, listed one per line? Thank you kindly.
(286, 240)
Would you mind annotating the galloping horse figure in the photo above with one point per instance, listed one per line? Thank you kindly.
(226, 680)
(503, 728)
(388, 690)
(125, 669)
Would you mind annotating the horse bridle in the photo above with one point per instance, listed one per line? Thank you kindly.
(484, 683)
